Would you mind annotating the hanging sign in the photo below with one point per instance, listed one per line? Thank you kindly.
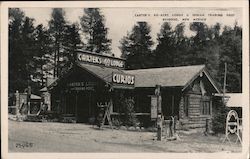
(99, 59)
(121, 78)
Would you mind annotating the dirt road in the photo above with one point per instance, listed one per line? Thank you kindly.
(62, 137)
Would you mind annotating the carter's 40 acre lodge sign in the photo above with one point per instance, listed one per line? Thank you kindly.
(102, 60)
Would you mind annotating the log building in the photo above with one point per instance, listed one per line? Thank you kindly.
(187, 92)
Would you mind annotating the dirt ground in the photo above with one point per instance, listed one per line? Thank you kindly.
(69, 137)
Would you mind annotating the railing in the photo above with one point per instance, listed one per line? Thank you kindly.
(115, 113)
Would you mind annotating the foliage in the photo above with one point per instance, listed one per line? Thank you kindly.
(34, 51)
(43, 51)
(22, 51)
(172, 46)
(116, 121)
(219, 118)
(93, 27)
(231, 53)
(136, 47)
(57, 27)
(209, 45)
(127, 107)
(72, 42)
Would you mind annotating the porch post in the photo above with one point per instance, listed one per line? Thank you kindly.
(76, 107)
(159, 114)
(172, 105)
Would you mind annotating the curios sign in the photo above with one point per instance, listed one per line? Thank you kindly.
(123, 79)
(99, 59)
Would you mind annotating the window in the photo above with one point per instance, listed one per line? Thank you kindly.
(186, 104)
(206, 107)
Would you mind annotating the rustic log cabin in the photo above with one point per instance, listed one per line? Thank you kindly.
(186, 92)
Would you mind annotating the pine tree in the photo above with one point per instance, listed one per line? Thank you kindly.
(22, 50)
(136, 47)
(95, 32)
(57, 26)
(231, 53)
(173, 46)
(181, 45)
(43, 55)
(16, 61)
(165, 49)
(72, 42)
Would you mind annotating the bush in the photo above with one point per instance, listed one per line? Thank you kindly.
(116, 121)
(219, 119)
(127, 105)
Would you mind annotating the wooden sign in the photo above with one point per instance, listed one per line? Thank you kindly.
(81, 86)
(99, 59)
(123, 79)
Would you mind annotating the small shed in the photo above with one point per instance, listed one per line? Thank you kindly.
(20, 104)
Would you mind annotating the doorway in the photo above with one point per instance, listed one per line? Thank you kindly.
(85, 106)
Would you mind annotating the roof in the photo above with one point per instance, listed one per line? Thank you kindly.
(167, 76)
(104, 73)
(100, 54)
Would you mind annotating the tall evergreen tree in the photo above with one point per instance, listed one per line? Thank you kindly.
(57, 27)
(136, 47)
(172, 46)
(165, 50)
(181, 45)
(93, 27)
(231, 53)
(16, 62)
(198, 43)
(43, 55)
(22, 49)
(72, 42)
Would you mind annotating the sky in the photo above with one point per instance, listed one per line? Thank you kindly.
(120, 21)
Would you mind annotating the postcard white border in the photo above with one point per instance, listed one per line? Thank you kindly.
(134, 4)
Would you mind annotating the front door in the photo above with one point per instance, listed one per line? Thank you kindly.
(85, 106)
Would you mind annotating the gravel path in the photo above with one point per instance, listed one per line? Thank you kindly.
(63, 137)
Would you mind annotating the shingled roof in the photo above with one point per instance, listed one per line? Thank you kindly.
(104, 73)
(166, 77)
